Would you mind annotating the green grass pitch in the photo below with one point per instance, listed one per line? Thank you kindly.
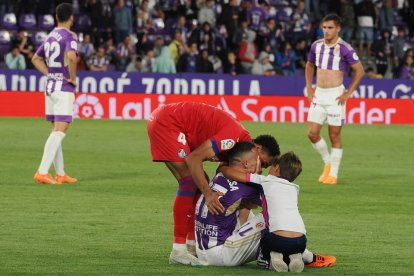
(118, 219)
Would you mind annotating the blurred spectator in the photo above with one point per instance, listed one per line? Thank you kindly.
(248, 52)
(99, 61)
(14, 59)
(110, 50)
(231, 65)
(300, 23)
(143, 17)
(86, 48)
(407, 70)
(94, 9)
(205, 65)
(188, 62)
(135, 65)
(266, 34)
(301, 54)
(143, 44)
(268, 49)
(181, 27)
(366, 16)
(398, 45)
(370, 74)
(25, 45)
(206, 13)
(158, 44)
(262, 65)
(122, 21)
(164, 63)
(239, 34)
(124, 53)
(229, 17)
(387, 13)
(383, 52)
(348, 20)
(257, 16)
(312, 8)
(408, 15)
(286, 59)
(148, 61)
(177, 46)
(217, 63)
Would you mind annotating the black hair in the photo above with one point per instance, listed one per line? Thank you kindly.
(238, 151)
(63, 12)
(290, 166)
(333, 17)
(269, 144)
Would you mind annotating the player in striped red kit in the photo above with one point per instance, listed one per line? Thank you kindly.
(184, 135)
(332, 56)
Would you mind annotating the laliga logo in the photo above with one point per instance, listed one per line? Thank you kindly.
(88, 106)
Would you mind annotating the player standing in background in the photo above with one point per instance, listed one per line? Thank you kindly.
(332, 56)
(183, 135)
(56, 58)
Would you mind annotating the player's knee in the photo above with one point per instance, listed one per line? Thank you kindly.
(313, 136)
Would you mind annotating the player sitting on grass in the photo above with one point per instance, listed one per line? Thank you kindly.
(284, 241)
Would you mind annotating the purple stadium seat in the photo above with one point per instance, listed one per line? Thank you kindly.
(5, 38)
(38, 38)
(28, 21)
(9, 21)
(4, 49)
(46, 22)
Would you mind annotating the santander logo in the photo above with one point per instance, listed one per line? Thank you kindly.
(88, 106)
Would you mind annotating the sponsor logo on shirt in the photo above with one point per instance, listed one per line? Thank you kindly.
(182, 153)
(74, 45)
(355, 56)
(227, 144)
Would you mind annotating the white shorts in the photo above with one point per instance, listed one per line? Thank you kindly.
(325, 107)
(240, 248)
(59, 106)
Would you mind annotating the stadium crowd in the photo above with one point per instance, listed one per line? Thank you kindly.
(262, 37)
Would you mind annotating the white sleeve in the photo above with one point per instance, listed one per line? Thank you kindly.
(256, 178)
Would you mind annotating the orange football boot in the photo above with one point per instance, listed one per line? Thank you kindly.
(325, 173)
(322, 261)
(44, 178)
(65, 179)
(330, 180)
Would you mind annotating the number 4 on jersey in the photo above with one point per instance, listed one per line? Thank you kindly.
(181, 139)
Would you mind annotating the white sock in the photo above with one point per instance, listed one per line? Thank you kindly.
(336, 156)
(180, 247)
(51, 146)
(58, 161)
(322, 148)
(191, 242)
(307, 256)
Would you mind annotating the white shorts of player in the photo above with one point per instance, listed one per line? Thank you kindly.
(240, 248)
(59, 106)
(325, 107)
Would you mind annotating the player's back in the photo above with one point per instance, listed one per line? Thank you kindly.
(201, 122)
(54, 51)
(213, 230)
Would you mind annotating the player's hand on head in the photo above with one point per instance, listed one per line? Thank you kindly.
(213, 203)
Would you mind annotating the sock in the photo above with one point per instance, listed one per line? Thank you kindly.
(336, 156)
(51, 146)
(184, 209)
(322, 148)
(58, 161)
(308, 256)
(179, 247)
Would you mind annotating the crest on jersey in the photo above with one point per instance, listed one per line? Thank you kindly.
(182, 153)
(336, 51)
(259, 225)
(227, 144)
(355, 56)
(74, 45)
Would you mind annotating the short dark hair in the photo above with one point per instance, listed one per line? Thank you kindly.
(290, 166)
(238, 151)
(63, 12)
(333, 17)
(269, 144)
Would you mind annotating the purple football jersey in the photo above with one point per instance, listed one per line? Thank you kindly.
(336, 57)
(213, 230)
(53, 51)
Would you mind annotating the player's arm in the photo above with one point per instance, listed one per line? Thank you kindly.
(194, 163)
(233, 174)
(358, 75)
(309, 72)
(40, 64)
(73, 61)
